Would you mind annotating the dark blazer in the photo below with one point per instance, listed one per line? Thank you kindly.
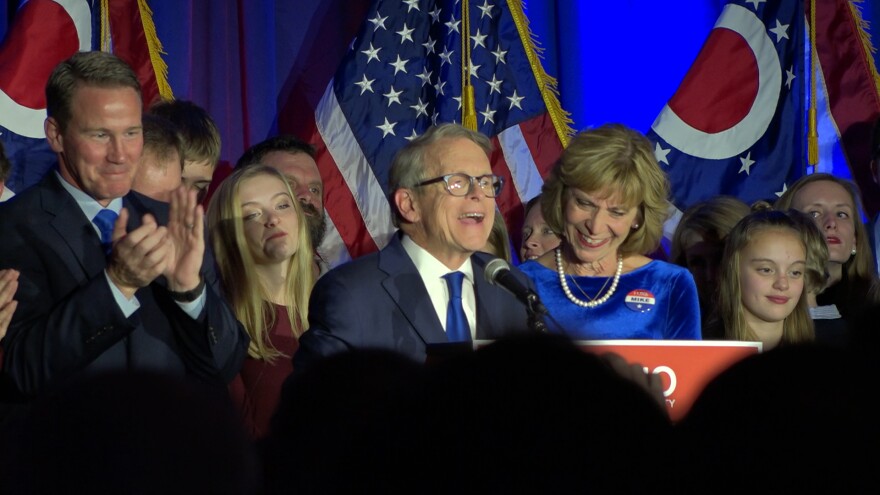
(380, 301)
(67, 321)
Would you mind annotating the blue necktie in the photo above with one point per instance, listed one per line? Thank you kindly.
(104, 220)
(457, 328)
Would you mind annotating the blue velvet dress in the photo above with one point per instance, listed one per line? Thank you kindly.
(655, 301)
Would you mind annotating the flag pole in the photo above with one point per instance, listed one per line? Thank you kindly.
(813, 132)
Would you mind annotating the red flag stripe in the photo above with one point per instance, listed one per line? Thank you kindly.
(852, 91)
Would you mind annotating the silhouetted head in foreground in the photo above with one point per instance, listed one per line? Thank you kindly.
(128, 433)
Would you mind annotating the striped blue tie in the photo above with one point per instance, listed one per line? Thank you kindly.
(104, 220)
(457, 328)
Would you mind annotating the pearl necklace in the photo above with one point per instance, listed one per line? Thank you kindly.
(587, 304)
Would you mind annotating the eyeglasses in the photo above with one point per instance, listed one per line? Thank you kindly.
(463, 184)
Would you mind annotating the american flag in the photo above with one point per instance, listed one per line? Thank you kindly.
(736, 124)
(405, 72)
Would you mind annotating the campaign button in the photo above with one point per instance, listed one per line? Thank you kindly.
(640, 300)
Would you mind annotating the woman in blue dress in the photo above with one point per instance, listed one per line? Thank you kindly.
(607, 197)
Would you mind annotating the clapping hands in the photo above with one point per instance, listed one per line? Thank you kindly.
(175, 251)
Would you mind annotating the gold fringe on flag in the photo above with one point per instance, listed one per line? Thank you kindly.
(548, 85)
(812, 126)
(160, 68)
(866, 41)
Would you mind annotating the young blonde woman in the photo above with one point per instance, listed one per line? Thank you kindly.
(263, 252)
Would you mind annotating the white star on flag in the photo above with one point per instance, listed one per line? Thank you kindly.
(747, 163)
(420, 108)
(372, 53)
(660, 153)
(387, 128)
(789, 78)
(393, 96)
(499, 55)
(781, 31)
(399, 65)
(488, 115)
(405, 34)
(755, 3)
(494, 84)
(453, 25)
(365, 84)
(514, 100)
(479, 39)
(378, 22)
(486, 9)
(780, 193)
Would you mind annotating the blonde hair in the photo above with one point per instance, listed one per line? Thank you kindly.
(616, 159)
(246, 293)
(499, 240)
(797, 326)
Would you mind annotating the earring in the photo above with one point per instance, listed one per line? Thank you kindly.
(854, 251)
(635, 226)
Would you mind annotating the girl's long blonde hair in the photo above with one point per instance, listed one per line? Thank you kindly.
(797, 326)
(245, 291)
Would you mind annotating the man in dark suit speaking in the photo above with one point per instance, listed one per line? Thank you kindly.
(427, 286)
(109, 279)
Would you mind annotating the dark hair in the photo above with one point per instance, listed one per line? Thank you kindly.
(161, 138)
(93, 68)
(199, 134)
(290, 144)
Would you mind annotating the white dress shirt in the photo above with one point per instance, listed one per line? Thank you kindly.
(432, 271)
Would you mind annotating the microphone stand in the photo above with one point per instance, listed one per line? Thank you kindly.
(536, 311)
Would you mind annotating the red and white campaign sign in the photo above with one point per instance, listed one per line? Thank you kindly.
(684, 366)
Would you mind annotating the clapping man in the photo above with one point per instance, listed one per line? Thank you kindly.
(110, 280)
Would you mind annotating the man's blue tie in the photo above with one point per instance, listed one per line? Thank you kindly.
(104, 220)
(457, 328)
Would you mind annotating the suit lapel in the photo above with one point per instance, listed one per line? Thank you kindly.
(76, 241)
(405, 287)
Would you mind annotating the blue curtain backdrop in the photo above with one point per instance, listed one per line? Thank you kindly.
(241, 59)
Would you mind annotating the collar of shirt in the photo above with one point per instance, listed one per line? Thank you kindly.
(432, 270)
(89, 206)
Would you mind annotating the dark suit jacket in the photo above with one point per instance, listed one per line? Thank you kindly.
(380, 301)
(68, 322)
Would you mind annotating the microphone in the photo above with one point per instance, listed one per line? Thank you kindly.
(497, 272)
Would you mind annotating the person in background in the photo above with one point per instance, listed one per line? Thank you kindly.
(499, 241)
(296, 160)
(261, 244)
(835, 206)
(200, 139)
(761, 290)
(159, 172)
(698, 242)
(537, 237)
(608, 197)
(5, 168)
(427, 286)
(828, 325)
